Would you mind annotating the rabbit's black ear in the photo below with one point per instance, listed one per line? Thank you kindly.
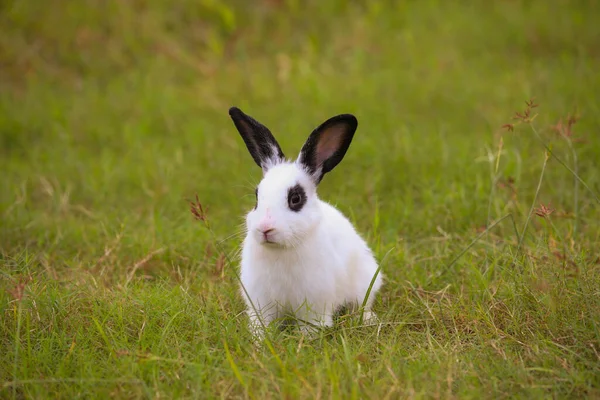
(261, 144)
(327, 145)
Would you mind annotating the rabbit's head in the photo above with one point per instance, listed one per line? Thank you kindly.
(287, 208)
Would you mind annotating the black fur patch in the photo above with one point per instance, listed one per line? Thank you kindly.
(296, 198)
(259, 140)
(308, 154)
(344, 309)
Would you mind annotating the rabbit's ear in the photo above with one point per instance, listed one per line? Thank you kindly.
(327, 145)
(261, 144)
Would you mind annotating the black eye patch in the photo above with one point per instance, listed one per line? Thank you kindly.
(256, 195)
(296, 198)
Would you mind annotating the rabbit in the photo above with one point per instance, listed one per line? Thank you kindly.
(301, 256)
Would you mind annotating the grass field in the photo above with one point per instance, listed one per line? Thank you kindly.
(113, 116)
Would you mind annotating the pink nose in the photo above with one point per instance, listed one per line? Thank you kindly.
(266, 231)
(266, 225)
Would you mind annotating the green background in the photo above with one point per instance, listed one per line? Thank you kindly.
(113, 115)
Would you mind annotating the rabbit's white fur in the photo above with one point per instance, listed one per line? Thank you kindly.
(317, 263)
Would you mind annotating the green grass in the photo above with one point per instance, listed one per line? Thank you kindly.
(113, 114)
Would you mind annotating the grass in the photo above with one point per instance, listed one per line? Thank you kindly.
(114, 115)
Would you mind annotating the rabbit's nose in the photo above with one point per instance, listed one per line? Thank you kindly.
(266, 231)
(267, 234)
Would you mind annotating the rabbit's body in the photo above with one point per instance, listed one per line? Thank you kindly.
(331, 267)
(301, 256)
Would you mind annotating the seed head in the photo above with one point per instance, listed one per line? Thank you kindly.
(198, 211)
(544, 211)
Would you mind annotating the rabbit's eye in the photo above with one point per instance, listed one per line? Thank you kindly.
(256, 195)
(296, 198)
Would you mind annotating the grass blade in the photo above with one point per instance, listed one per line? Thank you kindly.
(234, 367)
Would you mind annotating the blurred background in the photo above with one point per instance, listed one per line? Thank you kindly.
(114, 116)
(114, 113)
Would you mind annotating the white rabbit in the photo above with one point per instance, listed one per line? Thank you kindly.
(301, 256)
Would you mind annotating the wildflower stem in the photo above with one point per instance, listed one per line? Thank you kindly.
(537, 191)
(575, 184)
(563, 164)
